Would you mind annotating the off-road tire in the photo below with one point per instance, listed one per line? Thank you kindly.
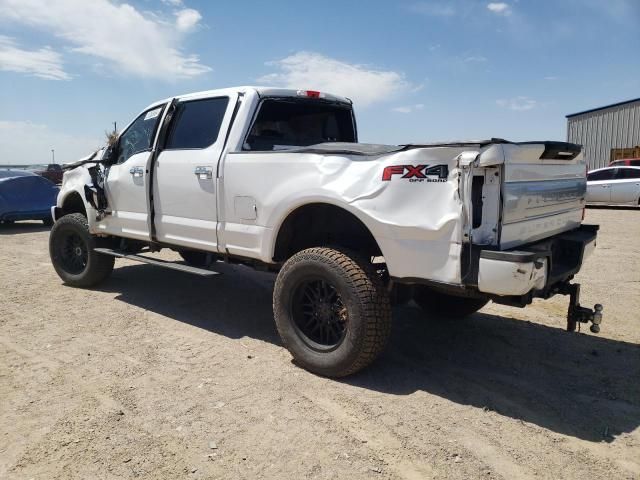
(194, 258)
(363, 296)
(440, 305)
(92, 268)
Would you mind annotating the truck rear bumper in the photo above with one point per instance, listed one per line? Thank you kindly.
(538, 268)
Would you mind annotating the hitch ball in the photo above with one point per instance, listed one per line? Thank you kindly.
(597, 314)
(596, 318)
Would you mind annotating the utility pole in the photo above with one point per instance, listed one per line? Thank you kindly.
(115, 127)
(53, 155)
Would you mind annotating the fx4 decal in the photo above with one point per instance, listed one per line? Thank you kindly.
(418, 173)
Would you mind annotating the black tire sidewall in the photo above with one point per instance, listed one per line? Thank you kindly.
(325, 362)
(98, 266)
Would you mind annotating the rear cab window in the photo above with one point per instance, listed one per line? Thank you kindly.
(284, 123)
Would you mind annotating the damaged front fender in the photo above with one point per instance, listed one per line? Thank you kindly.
(83, 181)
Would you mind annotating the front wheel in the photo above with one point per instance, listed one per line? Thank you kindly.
(71, 248)
(441, 305)
(331, 311)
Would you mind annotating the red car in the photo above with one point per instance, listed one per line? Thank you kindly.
(626, 162)
(52, 172)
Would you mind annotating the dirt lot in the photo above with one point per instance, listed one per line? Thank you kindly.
(161, 375)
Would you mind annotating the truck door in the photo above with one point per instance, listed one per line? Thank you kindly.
(184, 190)
(125, 186)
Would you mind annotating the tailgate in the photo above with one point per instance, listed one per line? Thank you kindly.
(543, 191)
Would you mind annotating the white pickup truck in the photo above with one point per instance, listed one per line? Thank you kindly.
(275, 179)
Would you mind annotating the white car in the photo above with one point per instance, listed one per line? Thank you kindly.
(275, 179)
(614, 186)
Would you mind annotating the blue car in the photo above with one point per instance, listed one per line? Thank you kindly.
(26, 196)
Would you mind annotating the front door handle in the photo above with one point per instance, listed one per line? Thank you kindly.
(204, 173)
(136, 171)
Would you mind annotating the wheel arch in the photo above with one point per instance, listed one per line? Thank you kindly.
(322, 223)
(73, 203)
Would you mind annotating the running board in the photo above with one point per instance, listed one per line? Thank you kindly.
(157, 262)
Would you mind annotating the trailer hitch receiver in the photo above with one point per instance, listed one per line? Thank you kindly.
(578, 313)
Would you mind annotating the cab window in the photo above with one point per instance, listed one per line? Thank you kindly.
(139, 136)
(290, 123)
(197, 123)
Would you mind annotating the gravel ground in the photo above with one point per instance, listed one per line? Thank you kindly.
(161, 375)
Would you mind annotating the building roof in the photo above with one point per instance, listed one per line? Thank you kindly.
(603, 108)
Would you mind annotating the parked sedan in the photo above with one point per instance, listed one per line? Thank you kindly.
(26, 196)
(614, 186)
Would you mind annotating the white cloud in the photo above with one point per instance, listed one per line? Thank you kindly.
(28, 143)
(519, 104)
(187, 19)
(408, 108)
(551, 78)
(129, 41)
(308, 70)
(173, 3)
(499, 8)
(43, 63)
(433, 9)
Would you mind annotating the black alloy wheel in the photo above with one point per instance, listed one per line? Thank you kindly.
(319, 314)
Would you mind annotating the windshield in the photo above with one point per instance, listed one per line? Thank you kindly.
(287, 123)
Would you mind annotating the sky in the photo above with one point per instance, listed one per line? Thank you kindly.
(417, 71)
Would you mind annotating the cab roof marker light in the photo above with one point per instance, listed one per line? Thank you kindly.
(310, 94)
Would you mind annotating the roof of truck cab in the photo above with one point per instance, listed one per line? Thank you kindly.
(262, 91)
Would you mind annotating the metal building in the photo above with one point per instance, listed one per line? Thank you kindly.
(600, 129)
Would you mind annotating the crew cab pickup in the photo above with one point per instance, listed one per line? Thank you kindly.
(275, 179)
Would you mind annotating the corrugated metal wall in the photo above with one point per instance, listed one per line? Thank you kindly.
(600, 131)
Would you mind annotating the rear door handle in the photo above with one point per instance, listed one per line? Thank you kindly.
(204, 173)
(136, 171)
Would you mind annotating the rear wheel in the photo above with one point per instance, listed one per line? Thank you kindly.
(436, 304)
(331, 310)
(71, 248)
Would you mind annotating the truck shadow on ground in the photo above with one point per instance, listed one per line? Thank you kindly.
(575, 384)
